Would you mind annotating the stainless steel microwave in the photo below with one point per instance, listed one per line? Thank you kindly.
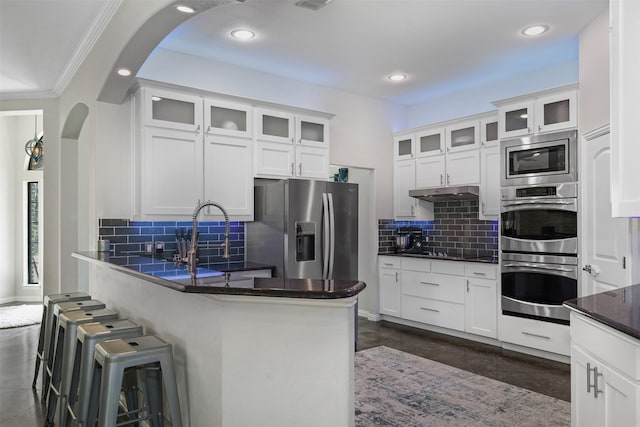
(540, 159)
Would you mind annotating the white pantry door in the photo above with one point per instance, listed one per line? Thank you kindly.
(605, 240)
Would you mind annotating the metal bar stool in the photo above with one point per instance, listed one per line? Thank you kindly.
(45, 326)
(64, 354)
(62, 307)
(144, 355)
(90, 334)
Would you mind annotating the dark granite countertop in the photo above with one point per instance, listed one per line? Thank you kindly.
(485, 259)
(210, 281)
(618, 309)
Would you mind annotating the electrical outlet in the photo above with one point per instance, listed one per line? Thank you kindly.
(159, 247)
(148, 248)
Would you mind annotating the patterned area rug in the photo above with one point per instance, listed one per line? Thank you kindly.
(394, 388)
(14, 316)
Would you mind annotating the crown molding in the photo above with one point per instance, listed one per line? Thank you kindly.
(87, 42)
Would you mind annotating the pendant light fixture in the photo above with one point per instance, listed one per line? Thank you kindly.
(35, 147)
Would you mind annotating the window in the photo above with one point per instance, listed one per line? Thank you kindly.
(33, 234)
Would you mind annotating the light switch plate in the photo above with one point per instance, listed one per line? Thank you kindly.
(148, 247)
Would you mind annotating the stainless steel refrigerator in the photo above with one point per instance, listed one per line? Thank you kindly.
(307, 229)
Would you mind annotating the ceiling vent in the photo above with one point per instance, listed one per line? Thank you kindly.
(313, 4)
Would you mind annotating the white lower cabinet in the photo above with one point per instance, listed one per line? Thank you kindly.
(389, 282)
(536, 334)
(605, 375)
(456, 295)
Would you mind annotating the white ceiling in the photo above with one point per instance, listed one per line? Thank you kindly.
(351, 45)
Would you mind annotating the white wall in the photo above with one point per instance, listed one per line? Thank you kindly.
(361, 131)
(478, 99)
(7, 211)
(594, 74)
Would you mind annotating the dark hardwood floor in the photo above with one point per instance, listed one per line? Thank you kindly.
(529, 372)
(20, 406)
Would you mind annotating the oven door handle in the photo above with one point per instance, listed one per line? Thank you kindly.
(538, 266)
(540, 202)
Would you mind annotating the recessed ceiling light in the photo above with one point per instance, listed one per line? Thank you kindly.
(535, 30)
(185, 9)
(124, 72)
(397, 77)
(242, 34)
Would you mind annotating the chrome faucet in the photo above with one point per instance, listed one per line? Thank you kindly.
(192, 253)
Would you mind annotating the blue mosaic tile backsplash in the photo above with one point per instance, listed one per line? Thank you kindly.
(455, 230)
(128, 238)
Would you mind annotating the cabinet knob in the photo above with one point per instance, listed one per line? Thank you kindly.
(198, 130)
(208, 129)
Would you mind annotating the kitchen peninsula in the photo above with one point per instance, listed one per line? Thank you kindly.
(251, 351)
(605, 358)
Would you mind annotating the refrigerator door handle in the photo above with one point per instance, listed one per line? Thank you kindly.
(332, 236)
(325, 236)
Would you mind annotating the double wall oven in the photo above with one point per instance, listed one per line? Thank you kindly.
(539, 226)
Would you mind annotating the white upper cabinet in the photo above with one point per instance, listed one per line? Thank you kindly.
(490, 183)
(291, 145)
(463, 168)
(404, 147)
(625, 104)
(430, 171)
(227, 118)
(430, 142)
(516, 120)
(556, 111)
(546, 111)
(463, 136)
(173, 110)
(275, 126)
(312, 131)
(489, 131)
(228, 177)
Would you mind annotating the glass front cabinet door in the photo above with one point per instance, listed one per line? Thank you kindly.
(275, 126)
(430, 142)
(557, 111)
(172, 110)
(312, 131)
(463, 136)
(516, 120)
(227, 118)
(403, 147)
(489, 132)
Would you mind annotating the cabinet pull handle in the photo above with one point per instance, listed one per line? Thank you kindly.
(300, 169)
(430, 309)
(484, 210)
(448, 179)
(589, 377)
(396, 277)
(467, 285)
(477, 273)
(528, 129)
(292, 170)
(441, 179)
(388, 264)
(595, 382)
(412, 211)
(198, 130)
(431, 284)
(539, 127)
(536, 335)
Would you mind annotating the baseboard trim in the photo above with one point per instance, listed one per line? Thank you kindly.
(373, 317)
(538, 353)
(8, 300)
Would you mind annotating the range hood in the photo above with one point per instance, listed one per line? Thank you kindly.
(447, 194)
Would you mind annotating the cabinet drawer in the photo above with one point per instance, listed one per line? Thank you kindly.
(480, 270)
(389, 262)
(606, 344)
(455, 268)
(416, 264)
(535, 334)
(435, 286)
(439, 313)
